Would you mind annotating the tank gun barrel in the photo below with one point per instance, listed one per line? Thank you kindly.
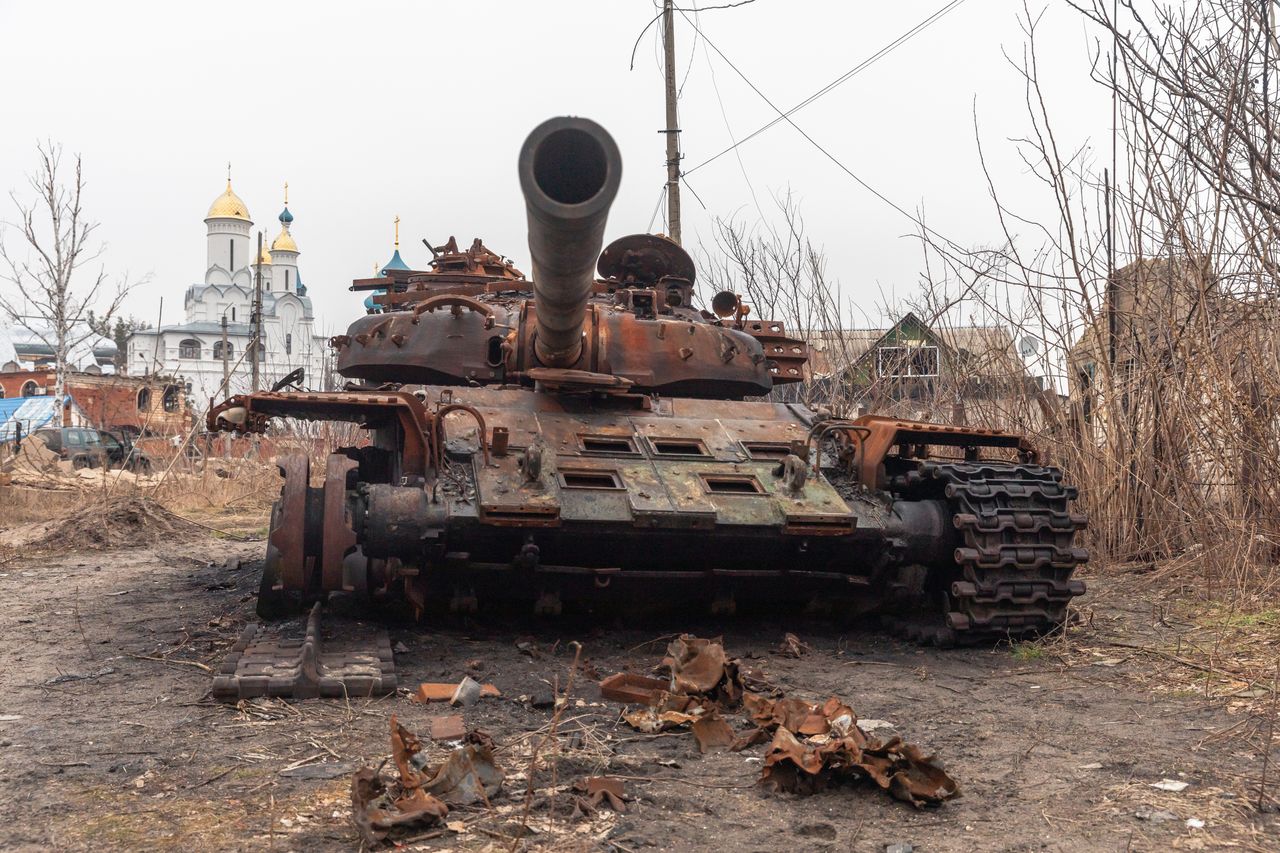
(570, 169)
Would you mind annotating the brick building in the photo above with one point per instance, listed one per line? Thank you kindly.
(149, 405)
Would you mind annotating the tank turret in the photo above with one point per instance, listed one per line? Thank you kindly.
(593, 319)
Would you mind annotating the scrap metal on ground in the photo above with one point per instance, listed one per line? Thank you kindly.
(421, 793)
(264, 663)
(813, 744)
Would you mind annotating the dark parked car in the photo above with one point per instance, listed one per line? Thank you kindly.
(81, 446)
(123, 453)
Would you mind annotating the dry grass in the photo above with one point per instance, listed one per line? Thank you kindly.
(23, 505)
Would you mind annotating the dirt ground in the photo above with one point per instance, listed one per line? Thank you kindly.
(109, 740)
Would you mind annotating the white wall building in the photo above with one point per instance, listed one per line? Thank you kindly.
(193, 350)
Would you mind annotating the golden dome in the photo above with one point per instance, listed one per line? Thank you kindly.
(284, 242)
(228, 206)
(265, 257)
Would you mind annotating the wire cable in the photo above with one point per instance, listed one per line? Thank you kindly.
(742, 167)
(783, 116)
(857, 69)
(662, 193)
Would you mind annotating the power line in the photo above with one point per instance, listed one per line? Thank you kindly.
(861, 66)
(662, 193)
(742, 167)
(814, 142)
(695, 192)
(655, 18)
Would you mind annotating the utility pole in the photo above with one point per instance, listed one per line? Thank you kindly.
(226, 367)
(256, 352)
(155, 362)
(673, 129)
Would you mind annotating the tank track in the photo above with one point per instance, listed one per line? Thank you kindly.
(1015, 556)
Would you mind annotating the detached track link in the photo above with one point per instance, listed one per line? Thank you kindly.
(1017, 549)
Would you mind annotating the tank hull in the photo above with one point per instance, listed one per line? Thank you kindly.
(626, 502)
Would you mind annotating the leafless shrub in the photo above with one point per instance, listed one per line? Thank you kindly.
(1154, 291)
(782, 276)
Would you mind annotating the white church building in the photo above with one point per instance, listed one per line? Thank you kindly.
(193, 351)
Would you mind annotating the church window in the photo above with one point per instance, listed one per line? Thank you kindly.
(189, 348)
(144, 399)
(232, 242)
(286, 280)
(288, 343)
(170, 398)
(233, 313)
(30, 389)
(218, 350)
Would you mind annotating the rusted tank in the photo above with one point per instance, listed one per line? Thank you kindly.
(590, 438)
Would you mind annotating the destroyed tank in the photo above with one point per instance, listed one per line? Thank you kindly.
(588, 438)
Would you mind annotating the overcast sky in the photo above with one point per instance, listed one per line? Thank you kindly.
(375, 109)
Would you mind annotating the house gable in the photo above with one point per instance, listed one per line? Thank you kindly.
(909, 332)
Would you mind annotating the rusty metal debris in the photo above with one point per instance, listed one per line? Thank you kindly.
(378, 810)
(900, 768)
(448, 727)
(264, 664)
(699, 667)
(793, 647)
(802, 717)
(813, 744)
(422, 793)
(467, 776)
(631, 688)
(598, 790)
(445, 691)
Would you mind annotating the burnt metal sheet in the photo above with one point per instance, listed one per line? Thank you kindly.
(768, 429)
(508, 499)
(692, 505)
(631, 687)
(594, 504)
(718, 443)
(648, 499)
(251, 412)
(901, 769)
(338, 537)
(265, 664)
(289, 534)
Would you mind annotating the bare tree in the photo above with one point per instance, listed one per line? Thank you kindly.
(56, 238)
(782, 276)
(1154, 285)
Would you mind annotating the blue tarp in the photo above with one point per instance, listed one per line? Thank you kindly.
(31, 412)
